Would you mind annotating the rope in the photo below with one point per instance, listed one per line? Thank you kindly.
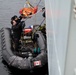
(12, 60)
(42, 21)
(30, 5)
(37, 28)
(38, 3)
(35, 13)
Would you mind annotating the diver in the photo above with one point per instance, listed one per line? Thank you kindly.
(17, 27)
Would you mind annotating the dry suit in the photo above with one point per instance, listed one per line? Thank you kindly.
(17, 31)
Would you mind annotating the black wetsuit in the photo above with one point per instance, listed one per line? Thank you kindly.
(17, 30)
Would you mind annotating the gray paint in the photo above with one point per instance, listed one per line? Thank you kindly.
(70, 68)
(57, 25)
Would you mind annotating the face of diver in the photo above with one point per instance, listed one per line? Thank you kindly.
(14, 22)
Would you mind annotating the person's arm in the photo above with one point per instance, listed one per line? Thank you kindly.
(19, 19)
(16, 27)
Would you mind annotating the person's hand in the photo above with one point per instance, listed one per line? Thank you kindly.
(24, 17)
(14, 23)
